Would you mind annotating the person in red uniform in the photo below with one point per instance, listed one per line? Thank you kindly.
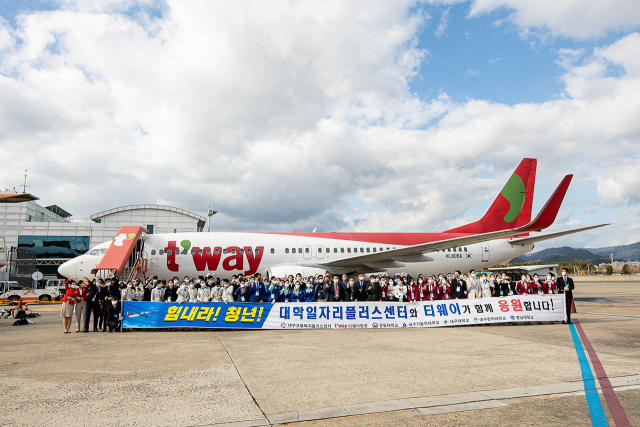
(412, 291)
(423, 290)
(521, 287)
(69, 300)
(537, 285)
(531, 286)
(444, 290)
(550, 286)
(384, 289)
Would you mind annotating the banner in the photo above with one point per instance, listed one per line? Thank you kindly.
(341, 315)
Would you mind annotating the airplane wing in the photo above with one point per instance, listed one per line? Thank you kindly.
(415, 253)
(543, 237)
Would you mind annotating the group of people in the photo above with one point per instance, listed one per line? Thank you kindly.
(101, 297)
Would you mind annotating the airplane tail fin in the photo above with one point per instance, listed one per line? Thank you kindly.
(512, 208)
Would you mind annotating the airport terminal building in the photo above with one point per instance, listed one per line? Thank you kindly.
(56, 236)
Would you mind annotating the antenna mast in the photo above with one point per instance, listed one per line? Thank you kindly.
(25, 186)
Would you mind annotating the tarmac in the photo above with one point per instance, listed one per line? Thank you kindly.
(467, 375)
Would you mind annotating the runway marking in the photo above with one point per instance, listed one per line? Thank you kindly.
(593, 400)
(617, 412)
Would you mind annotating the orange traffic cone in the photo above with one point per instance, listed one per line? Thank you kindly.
(573, 307)
(26, 306)
(20, 304)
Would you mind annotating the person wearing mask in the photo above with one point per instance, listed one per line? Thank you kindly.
(204, 293)
(93, 305)
(272, 291)
(401, 289)
(309, 292)
(565, 286)
(430, 290)
(511, 284)
(81, 305)
(157, 293)
(286, 293)
(473, 286)
(359, 290)
(412, 291)
(242, 293)
(521, 287)
(485, 286)
(537, 285)
(458, 287)
(444, 289)
(384, 289)
(256, 290)
(128, 293)
(392, 289)
(109, 285)
(216, 291)
(183, 293)
(112, 320)
(335, 291)
(373, 289)
(227, 291)
(347, 286)
(549, 286)
(69, 300)
(298, 293)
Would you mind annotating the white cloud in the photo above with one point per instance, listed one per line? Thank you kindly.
(474, 73)
(442, 26)
(276, 113)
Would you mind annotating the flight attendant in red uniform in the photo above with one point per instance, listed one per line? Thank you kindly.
(384, 289)
(431, 292)
(412, 291)
(521, 287)
(69, 300)
(549, 286)
(444, 290)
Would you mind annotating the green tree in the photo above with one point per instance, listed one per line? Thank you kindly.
(609, 270)
(625, 269)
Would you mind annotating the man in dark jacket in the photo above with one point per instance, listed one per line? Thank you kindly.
(112, 320)
(565, 286)
(373, 289)
(359, 289)
(458, 286)
(93, 305)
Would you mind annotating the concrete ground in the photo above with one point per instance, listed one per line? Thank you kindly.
(470, 375)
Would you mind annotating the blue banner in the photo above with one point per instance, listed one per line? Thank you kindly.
(138, 314)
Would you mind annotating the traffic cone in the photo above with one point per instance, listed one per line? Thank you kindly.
(573, 307)
(26, 307)
(20, 304)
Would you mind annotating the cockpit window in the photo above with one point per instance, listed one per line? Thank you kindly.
(102, 251)
(94, 252)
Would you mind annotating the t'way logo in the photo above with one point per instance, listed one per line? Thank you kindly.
(209, 258)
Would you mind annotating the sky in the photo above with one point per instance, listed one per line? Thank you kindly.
(336, 116)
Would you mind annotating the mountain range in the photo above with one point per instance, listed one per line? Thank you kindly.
(593, 256)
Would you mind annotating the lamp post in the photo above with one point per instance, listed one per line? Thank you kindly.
(210, 213)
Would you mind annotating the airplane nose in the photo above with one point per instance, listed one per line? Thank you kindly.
(68, 269)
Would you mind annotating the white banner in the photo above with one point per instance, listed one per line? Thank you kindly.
(422, 314)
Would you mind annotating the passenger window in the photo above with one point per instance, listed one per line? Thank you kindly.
(355, 250)
(374, 249)
(161, 252)
(361, 249)
(341, 250)
(380, 249)
(348, 250)
(200, 251)
(299, 250)
(335, 250)
(216, 251)
(184, 252)
(306, 250)
(465, 249)
(273, 251)
(293, 251)
(208, 251)
(368, 250)
(459, 249)
(169, 251)
(153, 251)
(242, 251)
(286, 251)
(193, 251)
(387, 248)
(319, 250)
(224, 251)
(249, 250)
(233, 251)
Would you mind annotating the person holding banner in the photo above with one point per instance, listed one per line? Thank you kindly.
(412, 291)
(204, 293)
(335, 292)
(183, 294)
(566, 286)
(373, 290)
(256, 291)
(537, 285)
(444, 289)
(431, 292)
(157, 293)
(227, 291)
(298, 294)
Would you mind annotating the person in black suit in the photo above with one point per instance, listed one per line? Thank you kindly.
(334, 291)
(359, 289)
(93, 305)
(565, 286)
(112, 320)
(112, 291)
(373, 289)
(458, 286)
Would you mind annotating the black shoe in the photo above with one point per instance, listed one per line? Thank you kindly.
(564, 323)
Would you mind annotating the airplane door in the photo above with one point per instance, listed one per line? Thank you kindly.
(319, 252)
(485, 251)
(307, 252)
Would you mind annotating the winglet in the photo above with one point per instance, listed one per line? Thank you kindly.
(548, 214)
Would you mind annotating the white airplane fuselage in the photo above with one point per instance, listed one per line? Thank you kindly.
(279, 254)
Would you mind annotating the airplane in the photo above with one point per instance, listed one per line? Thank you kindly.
(502, 234)
(133, 313)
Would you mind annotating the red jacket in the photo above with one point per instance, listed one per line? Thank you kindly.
(537, 286)
(549, 288)
(521, 288)
(384, 292)
(412, 292)
(444, 292)
(531, 288)
(72, 295)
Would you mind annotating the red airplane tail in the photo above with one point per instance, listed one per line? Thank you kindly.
(512, 207)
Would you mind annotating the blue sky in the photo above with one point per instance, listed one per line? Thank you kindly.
(506, 56)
